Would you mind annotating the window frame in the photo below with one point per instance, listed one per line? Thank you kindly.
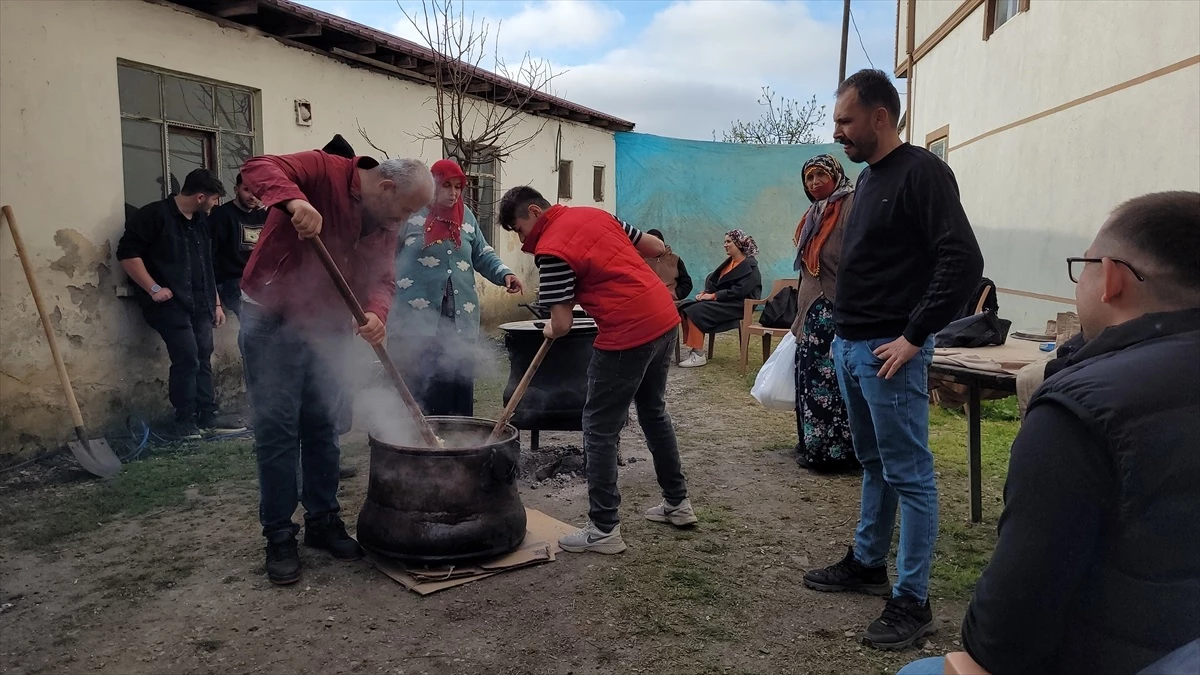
(942, 136)
(215, 133)
(989, 16)
(473, 187)
(598, 172)
(569, 174)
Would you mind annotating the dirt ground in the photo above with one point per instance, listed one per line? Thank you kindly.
(181, 587)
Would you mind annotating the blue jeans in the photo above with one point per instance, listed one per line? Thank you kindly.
(934, 665)
(296, 399)
(615, 380)
(889, 420)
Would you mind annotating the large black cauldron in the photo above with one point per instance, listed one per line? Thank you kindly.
(555, 398)
(447, 504)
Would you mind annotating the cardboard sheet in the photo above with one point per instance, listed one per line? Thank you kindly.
(540, 546)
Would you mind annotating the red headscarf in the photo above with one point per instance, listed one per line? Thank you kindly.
(445, 222)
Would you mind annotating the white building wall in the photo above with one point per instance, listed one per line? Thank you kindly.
(1038, 192)
(62, 172)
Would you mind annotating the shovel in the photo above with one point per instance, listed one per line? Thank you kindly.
(331, 267)
(519, 392)
(93, 454)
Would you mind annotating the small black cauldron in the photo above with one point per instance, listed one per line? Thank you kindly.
(444, 505)
(555, 398)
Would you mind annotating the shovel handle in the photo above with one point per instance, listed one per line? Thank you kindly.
(360, 316)
(519, 392)
(72, 404)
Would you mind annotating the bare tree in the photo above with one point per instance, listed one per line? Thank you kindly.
(476, 117)
(786, 121)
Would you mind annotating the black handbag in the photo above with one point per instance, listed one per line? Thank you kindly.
(780, 311)
(978, 330)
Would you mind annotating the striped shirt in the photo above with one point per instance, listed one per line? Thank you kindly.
(556, 279)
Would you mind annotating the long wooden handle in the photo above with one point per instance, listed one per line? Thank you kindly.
(519, 392)
(360, 316)
(76, 416)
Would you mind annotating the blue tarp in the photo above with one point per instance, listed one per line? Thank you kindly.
(696, 191)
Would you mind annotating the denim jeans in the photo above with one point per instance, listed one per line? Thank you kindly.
(889, 420)
(230, 292)
(616, 379)
(189, 340)
(934, 665)
(296, 399)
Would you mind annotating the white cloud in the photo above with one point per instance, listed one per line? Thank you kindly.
(699, 65)
(561, 23)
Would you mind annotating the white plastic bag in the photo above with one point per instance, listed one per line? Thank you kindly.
(775, 385)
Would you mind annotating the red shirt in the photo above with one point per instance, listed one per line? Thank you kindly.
(616, 287)
(284, 273)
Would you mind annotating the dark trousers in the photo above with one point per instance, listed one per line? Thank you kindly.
(230, 292)
(296, 400)
(440, 370)
(615, 380)
(189, 340)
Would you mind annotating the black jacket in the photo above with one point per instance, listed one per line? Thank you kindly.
(1097, 567)
(725, 313)
(160, 235)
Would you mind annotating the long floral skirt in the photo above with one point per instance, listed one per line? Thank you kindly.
(821, 422)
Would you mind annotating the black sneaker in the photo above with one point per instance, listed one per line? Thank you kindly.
(850, 575)
(214, 423)
(904, 621)
(182, 430)
(283, 561)
(330, 534)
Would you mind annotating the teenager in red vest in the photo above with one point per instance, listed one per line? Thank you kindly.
(586, 256)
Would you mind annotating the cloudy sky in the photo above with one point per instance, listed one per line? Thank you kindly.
(683, 68)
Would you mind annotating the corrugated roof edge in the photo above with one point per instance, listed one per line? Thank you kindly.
(231, 10)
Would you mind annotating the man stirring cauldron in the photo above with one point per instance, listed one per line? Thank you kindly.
(293, 315)
(587, 256)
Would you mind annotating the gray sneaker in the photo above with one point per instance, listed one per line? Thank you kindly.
(592, 538)
(680, 515)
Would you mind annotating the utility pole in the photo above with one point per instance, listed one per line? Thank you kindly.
(845, 36)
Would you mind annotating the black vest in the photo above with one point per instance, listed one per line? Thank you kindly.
(1137, 386)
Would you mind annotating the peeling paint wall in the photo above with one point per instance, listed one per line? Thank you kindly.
(60, 137)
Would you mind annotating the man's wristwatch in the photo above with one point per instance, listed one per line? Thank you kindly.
(155, 288)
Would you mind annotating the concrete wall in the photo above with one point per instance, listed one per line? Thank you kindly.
(1038, 181)
(61, 141)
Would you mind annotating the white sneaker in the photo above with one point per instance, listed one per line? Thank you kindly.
(681, 515)
(695, 360)
(592, 538)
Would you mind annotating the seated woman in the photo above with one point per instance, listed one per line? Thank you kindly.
(821, 424)
(434, 322)
(671, 270)
(720, 307)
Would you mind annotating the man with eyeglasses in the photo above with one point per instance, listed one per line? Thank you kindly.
(1097, 566)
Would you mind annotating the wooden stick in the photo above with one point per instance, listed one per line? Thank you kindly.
(360, 316)
(519, 392)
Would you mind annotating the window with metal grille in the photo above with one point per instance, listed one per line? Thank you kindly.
(564, 178)
(597, 183)
(479, 194)
(172, 124)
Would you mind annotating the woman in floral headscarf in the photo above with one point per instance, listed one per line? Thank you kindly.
(434, 321)
(720, 307)
(824, 432)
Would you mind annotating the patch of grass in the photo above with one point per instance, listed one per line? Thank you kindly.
(142, 487)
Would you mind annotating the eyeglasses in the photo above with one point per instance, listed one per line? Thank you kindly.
(1075, 267)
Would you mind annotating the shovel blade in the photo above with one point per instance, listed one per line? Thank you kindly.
(96, 457)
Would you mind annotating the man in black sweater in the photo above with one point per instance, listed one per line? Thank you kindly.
(909, 263)
(1097, 565)
(235, 226)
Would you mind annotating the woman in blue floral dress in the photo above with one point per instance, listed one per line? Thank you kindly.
(433, 327)
(824, 433)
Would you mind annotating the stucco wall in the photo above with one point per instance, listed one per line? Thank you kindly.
(1038, 192)
(61, 142)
